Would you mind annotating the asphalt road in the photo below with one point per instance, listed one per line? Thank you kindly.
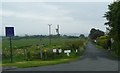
(93, 60)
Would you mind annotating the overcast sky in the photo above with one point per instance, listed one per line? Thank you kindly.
(73, 17)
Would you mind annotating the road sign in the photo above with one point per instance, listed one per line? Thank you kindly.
(67, 52)
(9, 31)
(60, 50)
(76, 50)
(54, 50)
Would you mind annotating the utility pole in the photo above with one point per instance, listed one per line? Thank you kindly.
(49, 33)
(57, 30)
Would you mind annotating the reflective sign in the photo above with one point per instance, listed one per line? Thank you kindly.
(9, 31)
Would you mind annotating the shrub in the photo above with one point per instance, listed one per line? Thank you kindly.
(102, 41)
(72, 45)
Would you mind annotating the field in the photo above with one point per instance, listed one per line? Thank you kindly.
(28, 49)
(21, 43)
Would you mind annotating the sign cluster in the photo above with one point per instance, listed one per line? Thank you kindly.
(60, 51)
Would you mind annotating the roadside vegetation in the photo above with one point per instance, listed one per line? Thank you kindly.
(36, 63)
(28, 50)
(113, 31)
(113, 25)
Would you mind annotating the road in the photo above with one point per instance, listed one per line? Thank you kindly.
(93, 59)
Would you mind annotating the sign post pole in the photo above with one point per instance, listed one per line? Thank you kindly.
(11, 55)
(10, 33)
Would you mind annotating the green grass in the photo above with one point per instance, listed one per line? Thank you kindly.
(19, 60)
(33, 41)
(1, 64)
(26, 64)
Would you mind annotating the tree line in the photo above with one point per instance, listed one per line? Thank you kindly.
(113, 24)
(113, 29)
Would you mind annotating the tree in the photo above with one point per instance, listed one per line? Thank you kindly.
(82, 36)
(113, 18)
(94, 33)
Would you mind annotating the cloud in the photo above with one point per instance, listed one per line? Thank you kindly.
(39, 11)
(72, 17)
(56, 0)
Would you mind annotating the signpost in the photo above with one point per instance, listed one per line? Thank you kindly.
(10, 33)
(67, 52)
(54, 50)
(59, 50)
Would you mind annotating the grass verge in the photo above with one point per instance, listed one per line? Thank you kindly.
(26, 64)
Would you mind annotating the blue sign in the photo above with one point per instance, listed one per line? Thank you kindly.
(9, 31)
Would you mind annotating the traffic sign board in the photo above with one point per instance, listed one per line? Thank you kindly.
(9, 31)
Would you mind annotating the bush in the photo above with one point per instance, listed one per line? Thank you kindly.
(102, 41)
(73, 45)
(115, 46)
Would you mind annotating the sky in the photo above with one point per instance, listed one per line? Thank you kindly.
(32, 18)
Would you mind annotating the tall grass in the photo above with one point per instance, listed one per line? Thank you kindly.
(29, 49)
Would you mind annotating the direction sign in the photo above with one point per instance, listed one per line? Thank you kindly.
(9, 31)
(54, 50)
(67, 51)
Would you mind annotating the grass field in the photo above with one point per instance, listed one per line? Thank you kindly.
(29, 47)
(33, 41)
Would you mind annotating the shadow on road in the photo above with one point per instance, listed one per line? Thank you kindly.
(94, 53)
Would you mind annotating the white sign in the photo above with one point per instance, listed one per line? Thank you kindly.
(95, 41)
(60, 50)
(54, 50)
(67, 52)
(76, 50)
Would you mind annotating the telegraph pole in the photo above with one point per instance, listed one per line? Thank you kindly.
(57, 30)
(49, 33)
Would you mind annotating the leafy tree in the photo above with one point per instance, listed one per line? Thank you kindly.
(113, 18)
(94, 33)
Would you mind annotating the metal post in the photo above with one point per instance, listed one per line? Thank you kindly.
(41, 51)
(58, 29)
(11, 55)
(40, 48)
(49, 33)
